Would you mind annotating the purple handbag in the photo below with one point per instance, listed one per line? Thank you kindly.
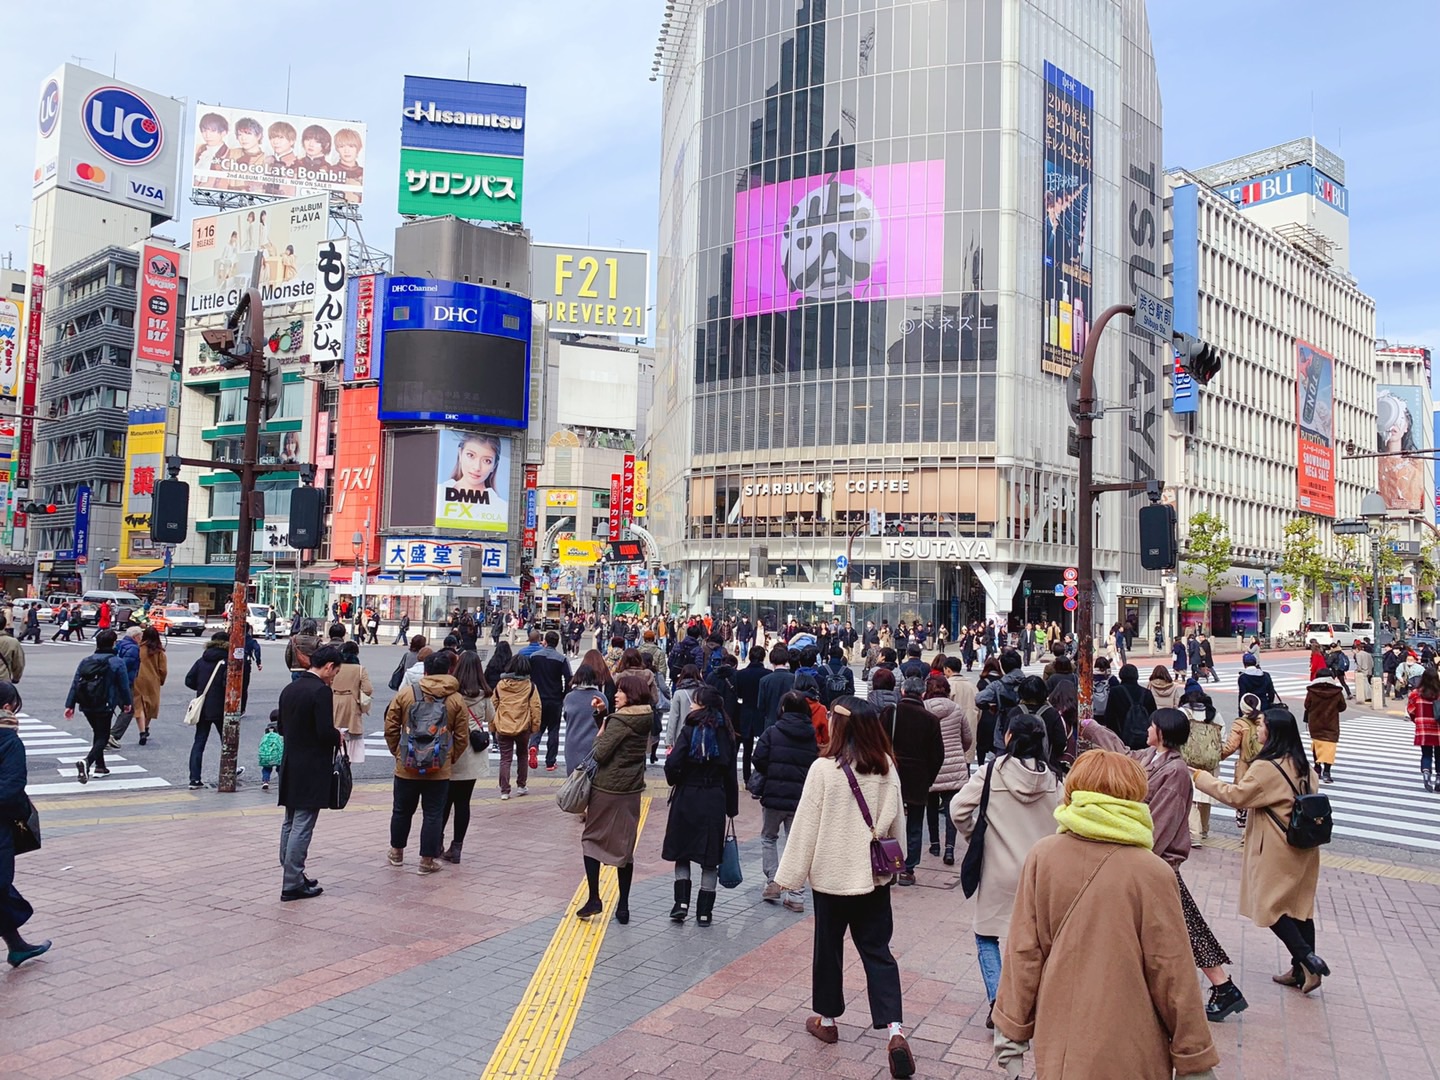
(887, 858)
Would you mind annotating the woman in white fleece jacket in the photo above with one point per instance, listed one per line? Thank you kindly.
(829, 846)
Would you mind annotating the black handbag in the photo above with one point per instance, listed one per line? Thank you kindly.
(25, 833)
(974, 860)
(479, 737)
(342, 782)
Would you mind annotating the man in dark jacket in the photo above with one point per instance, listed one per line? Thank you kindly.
(1034, 695)
(838, 680)
(99, 687)
(751, 721)
(1254, 681)
(550, 675)
(212, 714)
(1123, 695)
(919, 752)
(914, 667)
(688, 650)
(783, 758)
(745, 632)
(776, 685)
(998, 698)
(307, 724)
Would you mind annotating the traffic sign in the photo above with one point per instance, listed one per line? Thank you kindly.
(1154, 315)
(837, 588)
(1071, 603)
(842, 562)
(1071, 591)
(1059, 590)
(1071, 574)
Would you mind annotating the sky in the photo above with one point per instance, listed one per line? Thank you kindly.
(1235, 76)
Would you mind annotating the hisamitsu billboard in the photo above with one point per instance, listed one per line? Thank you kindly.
(468, 117)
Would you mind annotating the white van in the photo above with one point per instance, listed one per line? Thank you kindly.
(121, 603)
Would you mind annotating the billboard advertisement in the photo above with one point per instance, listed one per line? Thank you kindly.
(278, 154)
(328, 333)
(155, 320)
(1066, 308)
(144, 458)
(1315, 408)
(454, 352)
(288, 342)
(31, 387)
(1296, 180)
(642, 488)
(579, 552)
(286, 235)
(419, 555)
(858, 234)
(11, 312)
(477, 187)
(469, 117)
(593, 290)
(359, 464)
(562, 497)
(472, 486)
(1400, 426)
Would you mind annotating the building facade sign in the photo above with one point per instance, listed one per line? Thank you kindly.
(417, 555)
(941, 549)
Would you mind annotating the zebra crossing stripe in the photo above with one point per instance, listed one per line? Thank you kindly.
(48, 742)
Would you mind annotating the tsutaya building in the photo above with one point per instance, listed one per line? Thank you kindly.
(885, 235)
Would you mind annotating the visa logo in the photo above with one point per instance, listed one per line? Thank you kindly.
(147, 192)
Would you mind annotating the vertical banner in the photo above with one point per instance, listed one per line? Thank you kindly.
(360, 329)
(159, 306)
(1069, 241)
(627, 489)
(80, 536)
(324, 459)
(642, 488)
(328, 341)
(10, 315)
(616, 499)
(32, 379)
(1400, 426)
(532, 513)
(7, 482)
(144, 458)
(1315, 405)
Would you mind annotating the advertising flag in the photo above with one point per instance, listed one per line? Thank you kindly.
(1315, 408)
(642, 489)
(472, 488)
(532, 510)
(159, 306)
(1066, 307)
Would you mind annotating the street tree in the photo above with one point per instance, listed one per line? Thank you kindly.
(1208, 554)
(1303, 566)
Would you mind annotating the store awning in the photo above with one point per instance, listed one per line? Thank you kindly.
(342, 575)
(133, 571)
(218, 574)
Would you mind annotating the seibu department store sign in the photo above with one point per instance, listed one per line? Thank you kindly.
(941, 549)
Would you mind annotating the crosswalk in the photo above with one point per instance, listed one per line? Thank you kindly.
(51, 754)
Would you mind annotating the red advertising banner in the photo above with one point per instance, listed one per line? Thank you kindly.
(364, 327)
(358, 468)
(35, 316)
(616, 498)
(532, 481)
(627, 489)
(159, 306)
(1315, 423)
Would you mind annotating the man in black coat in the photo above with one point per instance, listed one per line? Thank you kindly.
(750, 720)
(776, 685)
(914, 667)
(783, 757)
(919, 753)
(550, 676)
(212, 713)
(307, 724)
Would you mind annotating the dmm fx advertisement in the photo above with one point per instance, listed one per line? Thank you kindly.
(472, 488)
(285, 234)
(593, 290)
(267, 153)
(1315, 408)
(1066, 310)
(144, 454)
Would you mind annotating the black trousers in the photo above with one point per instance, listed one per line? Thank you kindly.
(550, 713)
(99, 736)
(935, 809)
(429, 796)
(869, 920)
(747, 748)
(458, 799)
(1297, 935)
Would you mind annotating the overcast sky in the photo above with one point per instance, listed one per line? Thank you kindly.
(1236, 76)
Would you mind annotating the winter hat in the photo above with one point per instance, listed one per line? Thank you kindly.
(1250, 705)
(1251, 660)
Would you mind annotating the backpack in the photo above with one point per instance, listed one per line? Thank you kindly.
(1311, 821)
(836, 684)
(1338, 662)
(92, 686)
(1099, 697)
(712, 662)
(1006, 699)
(1136, 728)
(1249, 741)
(1202, 748)
(426, 736)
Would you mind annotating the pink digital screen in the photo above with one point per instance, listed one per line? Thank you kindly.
(860, 234)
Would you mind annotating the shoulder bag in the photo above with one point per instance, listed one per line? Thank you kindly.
(479, 736)
(25, 832)
(574, 794)
(730, 875)
(197, 703)
(887, 857)
(342, 781)
(1311, 822)
(974, 860)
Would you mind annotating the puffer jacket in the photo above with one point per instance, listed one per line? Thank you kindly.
(620, 750)
(783, 756)
(956, 731)
(434, 688)
(517, 706)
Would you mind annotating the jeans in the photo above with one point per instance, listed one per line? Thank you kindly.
(869, 919)
(1429, 755)
(938, 807)
(914, 834)
(771, 820)
(508, 745)
(265, 771)
(429, 795)
(987, 949)
(550, 712)
(295, 835)
(709, 875)
(458, 799)
(100, 735)
(197, 748)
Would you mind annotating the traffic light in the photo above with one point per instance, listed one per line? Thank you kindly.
(39, 508)
(838, 588)
(1158, 541)
(1199, 359)
(170, 512)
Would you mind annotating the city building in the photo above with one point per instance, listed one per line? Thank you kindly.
(885, 236)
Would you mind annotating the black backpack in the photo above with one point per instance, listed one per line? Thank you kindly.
(92, 687)
(836, 685)
(1135, 731)
(1311, 822)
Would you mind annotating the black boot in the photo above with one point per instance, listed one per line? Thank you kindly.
(704, 906)
(452, 853)
(1428, 785)
(1225, 999)
(1328, 778)
(682, 901)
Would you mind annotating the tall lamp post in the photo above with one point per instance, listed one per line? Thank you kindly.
(1372, 512)
(362, 557)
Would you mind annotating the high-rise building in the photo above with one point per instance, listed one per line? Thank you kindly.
(885, 236)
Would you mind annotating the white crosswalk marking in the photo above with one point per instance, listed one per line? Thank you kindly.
(47, 747)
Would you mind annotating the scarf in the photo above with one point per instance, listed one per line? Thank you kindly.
(1093, 816)
(9, 719)
(703, 744)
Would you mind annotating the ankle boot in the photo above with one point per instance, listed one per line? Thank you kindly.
(704, 907)
(452, 853)
(682, 901)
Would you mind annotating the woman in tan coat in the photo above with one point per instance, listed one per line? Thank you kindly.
(517, 717)
(352, 692)
(1244, 739)
(1161, 692)
(154, 669)
(1278, 881)
(1098, 945)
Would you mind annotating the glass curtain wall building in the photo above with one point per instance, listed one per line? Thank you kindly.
(886, 228)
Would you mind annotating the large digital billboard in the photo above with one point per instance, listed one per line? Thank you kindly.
(454, 352)
(286, 234)
(265, 153)
(1400, 426)
(468, 117)
(1066, 308)
(472, 482)
(1315, 409)
(593, 290)
(857, 234)
(99, 136)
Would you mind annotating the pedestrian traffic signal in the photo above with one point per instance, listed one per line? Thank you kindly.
(838, 588)
(1199, 359)
(1158, 541)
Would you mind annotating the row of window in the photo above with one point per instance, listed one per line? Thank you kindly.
(230, 404)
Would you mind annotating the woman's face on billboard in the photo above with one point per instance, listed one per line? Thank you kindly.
(477, 463)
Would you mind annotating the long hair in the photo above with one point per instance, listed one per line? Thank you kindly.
(857, 738)
(1027, 741)
(596, 663)
(1282, 740)
(704, 722)
(470, 674)
(150, 640)
(491, 443)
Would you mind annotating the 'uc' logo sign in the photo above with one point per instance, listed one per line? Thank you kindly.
(49, 108)
(122, 125)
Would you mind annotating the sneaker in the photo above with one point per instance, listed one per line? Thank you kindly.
(395, 856)
(504, 795)
(239, 772)
(195, 785)
(101, 772)
(264, 785)
(935, 848)
(112, 743)
(772, 892)
(797, 906)
(534, 757)
(520, 792)
(906, 877)
(549, 768)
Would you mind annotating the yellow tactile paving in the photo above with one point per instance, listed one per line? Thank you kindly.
(1398, 871)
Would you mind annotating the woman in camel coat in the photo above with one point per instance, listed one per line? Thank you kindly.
(154, 669)
(351, 686)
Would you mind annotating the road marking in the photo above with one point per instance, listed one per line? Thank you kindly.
(74, 787)
(534, 1042)
(45, 743)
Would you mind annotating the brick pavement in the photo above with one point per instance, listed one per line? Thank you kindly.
(174, 957)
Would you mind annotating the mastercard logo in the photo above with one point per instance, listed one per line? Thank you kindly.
(93, 173)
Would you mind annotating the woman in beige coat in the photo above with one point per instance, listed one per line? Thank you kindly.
(1162, 691)
(471, 766)
(352, 692)
(154, 669)
(1244, 739)
(1020, 811)
(1278, 881)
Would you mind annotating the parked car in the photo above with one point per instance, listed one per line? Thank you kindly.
(255, 616)
(1326, 634)
(174, 620)
(122, 606)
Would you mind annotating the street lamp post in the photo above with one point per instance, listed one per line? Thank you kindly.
(362, 557)
(1372, 511)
